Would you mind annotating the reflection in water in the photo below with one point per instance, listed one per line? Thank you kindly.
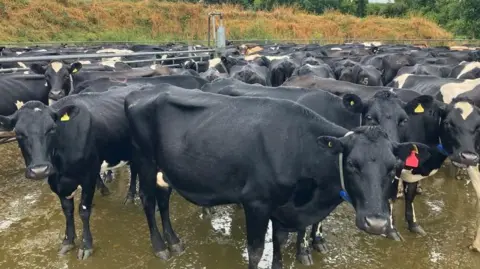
(32, 225)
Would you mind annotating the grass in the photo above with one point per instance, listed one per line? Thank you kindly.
(149, 20)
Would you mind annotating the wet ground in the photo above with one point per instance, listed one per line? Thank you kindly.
(32, 226)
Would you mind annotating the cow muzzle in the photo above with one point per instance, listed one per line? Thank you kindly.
(466, 159)
(38, 172)
(374, 224)
(56, 94)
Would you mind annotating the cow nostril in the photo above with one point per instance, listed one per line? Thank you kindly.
(375, 222)
(469, 156)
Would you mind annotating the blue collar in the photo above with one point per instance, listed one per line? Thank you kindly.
(442, 150)
(345, 196)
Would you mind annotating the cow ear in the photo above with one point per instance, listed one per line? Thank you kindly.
(405, 150)
(38, 69)
(419, 104)
(7, 123)
(66, 113)
(333, 144)
(224, 59)
(75, 67)
(353, 103)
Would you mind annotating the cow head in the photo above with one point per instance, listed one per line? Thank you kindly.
(384, 109)
(35, 126)
(230, 62)
(369, 163)
(58, 77)
(458, 127)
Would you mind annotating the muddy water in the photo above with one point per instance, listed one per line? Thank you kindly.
(32, 226)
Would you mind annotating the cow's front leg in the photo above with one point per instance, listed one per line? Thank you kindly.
(278, 238)
(163, 202)
(257, 217)
(132, 189)
(68, 209)
(318, 240)
(304, 253)
(85, 210)
(410, 193)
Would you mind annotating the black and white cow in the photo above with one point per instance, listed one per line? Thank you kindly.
(71, 142)
(286, 184)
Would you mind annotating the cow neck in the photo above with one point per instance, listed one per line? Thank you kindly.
(343, 192)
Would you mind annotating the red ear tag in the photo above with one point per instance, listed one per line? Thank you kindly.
(412, 160)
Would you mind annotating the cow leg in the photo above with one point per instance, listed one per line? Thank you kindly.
(108, 176)
(257, 217)
(278, 238)
(392, 232)
(318, 241)
(69, 240)
(304, 254)
(163, 201)
(85, 210)
(410, 193)
(102, 187)
(474, 175)
(400, 188)
(132, 189)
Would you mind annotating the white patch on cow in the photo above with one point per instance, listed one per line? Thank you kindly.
(113, 51)
(413, 213)
(56, 66)
(336, 49)
(407, 176)
(153, 66)
(466, 109)
(41, 50)
(19, 52)
(400, 80)
(22, 65)
(164, 56)
(37, 109)
(452, 90)
(85, 62)
(109, 63)
(391, 213)
(46, 84)
(160, 181)
(51, 102)
(84, 207)
(106, 166)
(214, 62)
(26, 72)
(19, 104)
(469, 67)
(271, 58)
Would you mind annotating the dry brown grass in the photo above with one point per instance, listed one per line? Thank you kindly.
(117, 20)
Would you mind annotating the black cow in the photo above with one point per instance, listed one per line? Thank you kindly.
(251, 72)
(442, 71)
(320, 70)
(366, 75)
(281, 70)
(61, 78)
(240, 138)
(212, 74)
(70, 142)
(466, 70)
(389, 64)
(19, 89)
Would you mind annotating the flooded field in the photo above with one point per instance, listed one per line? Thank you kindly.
(32, 226)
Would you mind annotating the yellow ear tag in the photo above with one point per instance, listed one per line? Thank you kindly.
(65, 117)
(415, 148)
(419, 109)
(74, 70)
(352, 103)
(330, 144)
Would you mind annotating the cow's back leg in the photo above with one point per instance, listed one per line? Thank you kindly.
(318, 241)
(147, 179)
(410, 193)
(304, 253)
(102, 187)
(163, 201)
(257, 217)
(278, 238)
(85, 210)
(132, 189)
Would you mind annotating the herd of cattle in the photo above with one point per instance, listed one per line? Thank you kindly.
(286, 131)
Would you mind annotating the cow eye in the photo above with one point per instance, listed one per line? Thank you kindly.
(403, 122)
(369, 117)
(51, 131)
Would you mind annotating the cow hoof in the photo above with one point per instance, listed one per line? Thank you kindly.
(415, 228)
(105, 191)
(129, 200)
(177, 249)
(164, 254)
(305, 259)
(395, 235)
(320, 247)
(399, 195)
(66, 248)
(83, 254)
